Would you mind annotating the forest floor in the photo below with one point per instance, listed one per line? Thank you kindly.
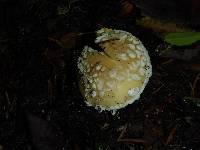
(41, 107)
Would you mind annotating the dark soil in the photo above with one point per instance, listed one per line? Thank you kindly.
(41, 107)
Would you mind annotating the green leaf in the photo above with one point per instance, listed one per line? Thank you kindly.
(182, 38)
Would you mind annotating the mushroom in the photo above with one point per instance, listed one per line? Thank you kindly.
(116, 77)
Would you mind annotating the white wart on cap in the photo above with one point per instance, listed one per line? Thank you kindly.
(116, 77)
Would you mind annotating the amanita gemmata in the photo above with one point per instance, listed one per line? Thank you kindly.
(115, 77)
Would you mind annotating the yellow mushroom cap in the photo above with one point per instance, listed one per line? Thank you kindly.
(116, 77)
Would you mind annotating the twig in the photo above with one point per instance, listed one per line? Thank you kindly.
(122, 133)
(192, 98)
(158, 89)
(176, 146)
(133, 141)
(7, 97)
(129, 141)
(194, 85)
(50, 91)
(171, 135)
(84, 33)
(167, 62)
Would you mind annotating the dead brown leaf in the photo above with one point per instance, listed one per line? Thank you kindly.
(127, 8)
(67, 40)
